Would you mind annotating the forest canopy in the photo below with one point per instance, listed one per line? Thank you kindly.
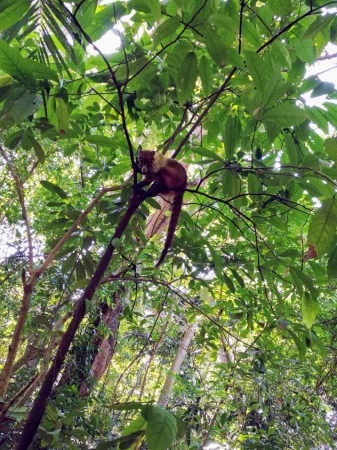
(230, 343)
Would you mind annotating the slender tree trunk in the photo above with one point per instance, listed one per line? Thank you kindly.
(41, 400)
(176, 364)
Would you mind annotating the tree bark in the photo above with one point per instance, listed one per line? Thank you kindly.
(41, 400)
(176, 364)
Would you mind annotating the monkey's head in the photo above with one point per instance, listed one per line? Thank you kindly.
(145, 161)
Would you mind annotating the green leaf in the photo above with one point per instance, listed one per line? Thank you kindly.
(23, 69)
(38, 151)
(104, 19)
(297, 280)
(161, 429)
(230, 184)
(238, 278)
(257, 70)
(152, 202)
(206, 75)
(215, 47)
(254, 186)
(231, 135)
(182, 427)
(280, 54)
(125, 441)
(320, 23)
(323, 88)
(274, 91)
(187, 77)
(322, 228)
(86, 13)
(54, 188)
(127, 406)
(61, 114)
(103, 141)
(20, 103)
(165, 30)
(150, 7)
(204, 152)
(317, 115)
(228, 282)
(217, 260)
(301, 348)
(13, 13)
(330, 145)
(332, 265)
(292, 149)
(307, 280)
(310, 310)
(251, 34)
(281, 8)
(52, 412)
(12, 140)
(69, 262)
(77, 433)
(285, 115)
(306, 50)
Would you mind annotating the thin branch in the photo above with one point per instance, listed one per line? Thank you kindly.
(118, 87)
(23, 206)
(182, 296)
(24, 388)
(326, 56)
(40, 403)
(52, 254)
(29, 286)
(291, 24)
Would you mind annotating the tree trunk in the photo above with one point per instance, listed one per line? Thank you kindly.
(176, 364)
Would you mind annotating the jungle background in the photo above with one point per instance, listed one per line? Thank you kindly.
(231, 343)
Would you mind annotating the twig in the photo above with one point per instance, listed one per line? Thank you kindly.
(23, 206)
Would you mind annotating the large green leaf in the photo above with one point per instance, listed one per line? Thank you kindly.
(306, 50)
(52, 187)
(21, 104)
(165, 30)
(187, 77)
(322, 228)
(161, 429)
(273, 91)
(231, 135)
(310, 310)
(215, 46)
(285, 115)
(104, 19)
(258, 71)
(330, 145)
(206, 75)
(61, 114)
(23, 69)
(13, 13)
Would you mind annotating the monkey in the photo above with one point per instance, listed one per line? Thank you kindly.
(168, 177)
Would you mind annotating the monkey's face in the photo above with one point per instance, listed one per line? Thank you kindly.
(145, 161)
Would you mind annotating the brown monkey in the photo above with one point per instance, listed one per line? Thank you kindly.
(168, 177)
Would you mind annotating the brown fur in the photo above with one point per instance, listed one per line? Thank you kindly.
(168, 177)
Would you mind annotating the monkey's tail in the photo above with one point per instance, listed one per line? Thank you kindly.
(175, 213)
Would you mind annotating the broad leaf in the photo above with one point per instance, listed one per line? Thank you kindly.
(161, 429)
(187, 77)
(322, 228)
(13, 13)
(165, 30)
(310, 309)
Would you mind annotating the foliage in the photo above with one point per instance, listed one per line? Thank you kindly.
(222, 84)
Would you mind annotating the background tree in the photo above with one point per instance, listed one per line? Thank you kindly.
(243, 310)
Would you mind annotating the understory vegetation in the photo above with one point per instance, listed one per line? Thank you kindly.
(230, 343)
